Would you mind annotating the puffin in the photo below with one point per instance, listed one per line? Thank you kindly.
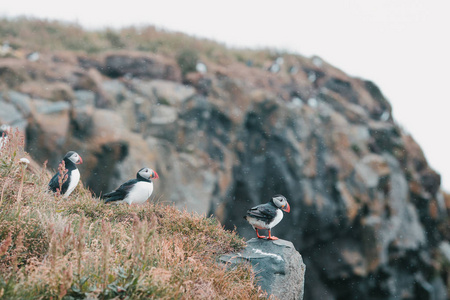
(266, 216)
(71, 160)
(134, 190)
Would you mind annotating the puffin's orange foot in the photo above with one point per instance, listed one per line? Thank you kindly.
(270, 237)
(260, 236)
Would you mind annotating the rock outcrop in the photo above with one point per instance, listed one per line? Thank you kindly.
(367, 212)
(278, 266)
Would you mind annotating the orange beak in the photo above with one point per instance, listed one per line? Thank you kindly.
(286, 208)
(80, 161)
(155, 175)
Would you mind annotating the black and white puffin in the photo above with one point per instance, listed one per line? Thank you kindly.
(266, 216)
(135, 190)
(71, 160)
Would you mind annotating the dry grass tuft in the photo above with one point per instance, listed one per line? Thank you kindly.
(76, 248)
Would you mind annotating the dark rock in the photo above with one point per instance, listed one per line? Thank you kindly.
(423, 289)
(314, 75)
(83, 110)
(383, 105)
(107, 157)
(315, 288)
(87, 62)
(431, 181)
(202, 84)
(278, 266)
(342, 87)
(439, 289)
(141, 66)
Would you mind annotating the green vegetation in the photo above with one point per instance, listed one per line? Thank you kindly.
(76, 248)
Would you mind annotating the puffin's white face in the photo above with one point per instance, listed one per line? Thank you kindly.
(147, 173)
(74, 157)
(281, 202)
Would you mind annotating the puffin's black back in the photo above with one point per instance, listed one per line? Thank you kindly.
(121, 192)
(53, 185)
(264, 212)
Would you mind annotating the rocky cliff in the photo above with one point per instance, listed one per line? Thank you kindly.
(367, 213)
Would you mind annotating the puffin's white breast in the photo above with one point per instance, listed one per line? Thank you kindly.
(259, 224)
(74, 179)
(277, 219)
(140, 192)
(3, 141)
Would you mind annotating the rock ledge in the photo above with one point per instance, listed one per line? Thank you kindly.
(279, 267)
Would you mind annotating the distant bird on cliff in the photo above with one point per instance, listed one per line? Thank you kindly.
(72, 177)
(266, 216)
(135, 190)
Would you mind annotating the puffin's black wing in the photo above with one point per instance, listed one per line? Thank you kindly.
(121, 192)
(263, 212)
(53, 185)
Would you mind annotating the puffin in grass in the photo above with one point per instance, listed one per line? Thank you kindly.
(266, 216)
(134, 191)
(64, 184)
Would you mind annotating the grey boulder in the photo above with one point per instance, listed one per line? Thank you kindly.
(278, 266)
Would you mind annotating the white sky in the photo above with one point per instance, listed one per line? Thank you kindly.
(401, 45)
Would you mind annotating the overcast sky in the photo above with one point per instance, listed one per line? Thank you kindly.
(401, 45)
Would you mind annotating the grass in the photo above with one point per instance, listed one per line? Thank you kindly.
(31, 34)
(76, 248)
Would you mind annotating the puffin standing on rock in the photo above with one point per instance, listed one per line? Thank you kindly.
(135, 190)
(266, 216)
(71, 160)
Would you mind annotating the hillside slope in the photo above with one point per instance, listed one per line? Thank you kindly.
(77, 248)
